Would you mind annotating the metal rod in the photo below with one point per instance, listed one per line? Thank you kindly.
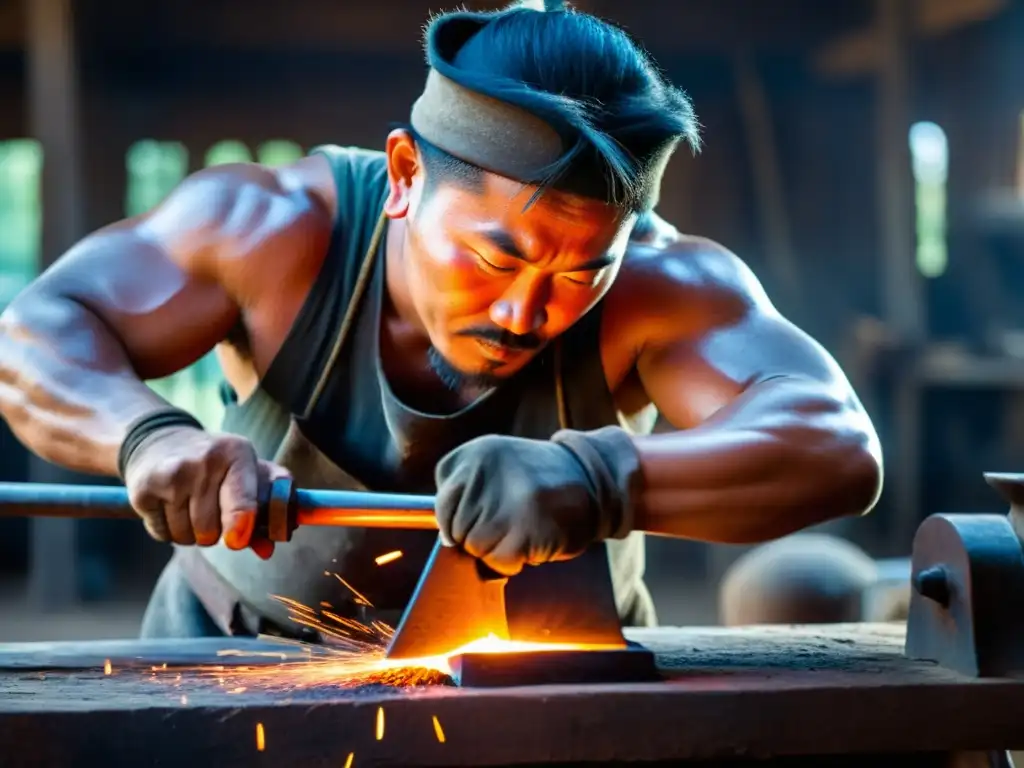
(364, 509)
(408, 519)
(361, 509)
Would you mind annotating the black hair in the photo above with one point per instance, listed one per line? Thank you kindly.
(439, 165)
(618, 115)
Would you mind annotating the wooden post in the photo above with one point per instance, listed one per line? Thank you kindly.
(1020, 158)
(769, 185)
(901, 285)
(53, 110)
(901, 299)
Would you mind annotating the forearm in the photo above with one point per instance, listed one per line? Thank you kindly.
(67, 388)
(784, 456)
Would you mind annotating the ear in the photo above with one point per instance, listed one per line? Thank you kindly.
(403, 171)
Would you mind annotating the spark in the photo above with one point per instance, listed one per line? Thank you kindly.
(380, 724)
(349, 759)
(352, 654)
(184, 700)
(261, 739)
(438, 730)
(360, 598)
(388, 557)
(107, 668)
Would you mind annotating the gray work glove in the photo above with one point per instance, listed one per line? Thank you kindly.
(513, 502)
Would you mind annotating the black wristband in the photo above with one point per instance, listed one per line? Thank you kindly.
(144, 426)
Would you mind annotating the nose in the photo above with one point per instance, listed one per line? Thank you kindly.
(522, 309)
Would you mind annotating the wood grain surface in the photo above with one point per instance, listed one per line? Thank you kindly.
(753, 692)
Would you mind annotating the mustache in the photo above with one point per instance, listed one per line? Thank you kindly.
(503, 338)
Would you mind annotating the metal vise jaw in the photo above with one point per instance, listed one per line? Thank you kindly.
(967, 580)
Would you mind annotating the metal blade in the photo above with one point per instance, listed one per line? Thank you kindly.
(566, 602)
(453, 604)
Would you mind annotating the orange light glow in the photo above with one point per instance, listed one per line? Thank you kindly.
(107, 668)
(488, 644)
(353, 654)
(388, 557)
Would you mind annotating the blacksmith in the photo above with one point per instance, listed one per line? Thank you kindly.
(490, 308)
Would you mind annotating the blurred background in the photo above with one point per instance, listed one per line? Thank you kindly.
(865, 157)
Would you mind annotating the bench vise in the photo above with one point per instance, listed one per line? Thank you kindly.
(967, 588)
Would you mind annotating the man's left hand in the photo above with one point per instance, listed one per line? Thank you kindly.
(513, 502)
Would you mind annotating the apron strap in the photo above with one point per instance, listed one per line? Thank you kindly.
(349, 320)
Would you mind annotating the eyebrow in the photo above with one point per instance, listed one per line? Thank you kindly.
(502, 240)
(595, 264)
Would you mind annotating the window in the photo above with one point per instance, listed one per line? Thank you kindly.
(227, 151)
(154, 169)
(21, 166)
(278, 152)
(929, 152)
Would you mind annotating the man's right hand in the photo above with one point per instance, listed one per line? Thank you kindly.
(192, 487)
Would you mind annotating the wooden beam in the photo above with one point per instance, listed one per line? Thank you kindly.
(901, 290)
(768, 182)
(53, 110)
(396, 26)
(310, 26)
(860, 52)
(731, 693)
(723, 26)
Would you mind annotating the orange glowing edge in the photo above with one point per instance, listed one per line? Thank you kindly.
(327, 666)
(333, 667)
(489, 644)
(354, 654)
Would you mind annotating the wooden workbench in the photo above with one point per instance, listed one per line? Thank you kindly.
(728, 693)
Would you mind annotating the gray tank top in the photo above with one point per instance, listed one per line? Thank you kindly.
(325, 410)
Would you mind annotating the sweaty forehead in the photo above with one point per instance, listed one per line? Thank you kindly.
(553, 218)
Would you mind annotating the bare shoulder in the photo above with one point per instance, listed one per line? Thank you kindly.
(680, 285)
(243, 217)
(233, 248)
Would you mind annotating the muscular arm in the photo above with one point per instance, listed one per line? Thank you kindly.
(771, 438)
(139, 300)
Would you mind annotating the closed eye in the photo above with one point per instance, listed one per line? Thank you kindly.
(587, 279)
(490, 266)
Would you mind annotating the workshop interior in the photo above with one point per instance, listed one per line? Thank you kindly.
(865, 158)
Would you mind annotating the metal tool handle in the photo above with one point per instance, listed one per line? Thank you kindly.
(77, 501)
(284, 508)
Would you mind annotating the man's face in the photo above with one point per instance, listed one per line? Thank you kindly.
(493, 283)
